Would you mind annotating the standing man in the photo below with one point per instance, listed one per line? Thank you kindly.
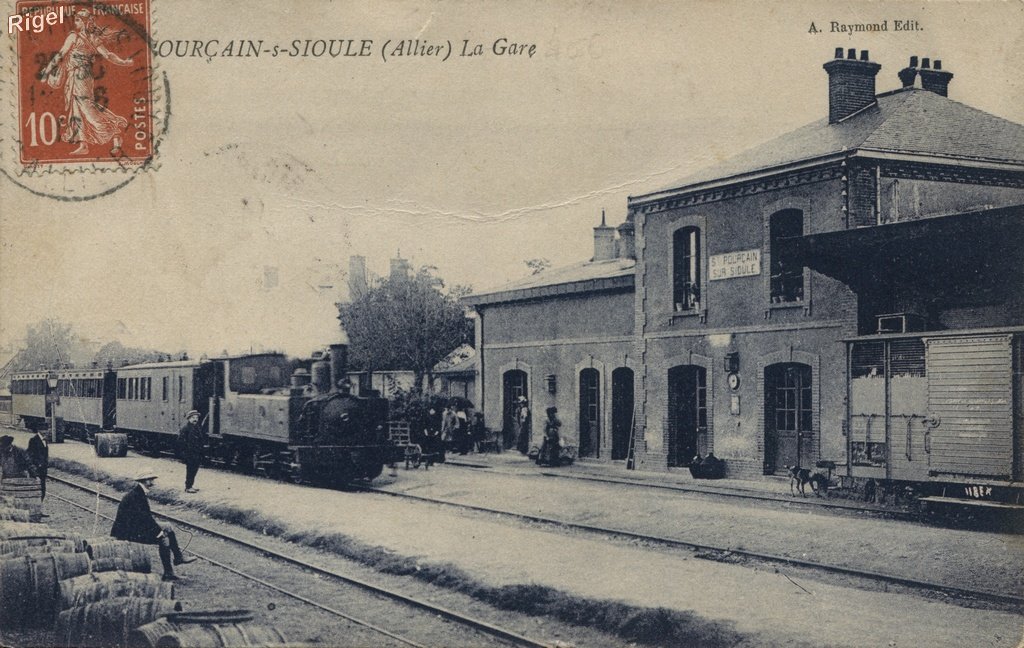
(39, 453)
(191, 440)
(14, 462)
(134, 522)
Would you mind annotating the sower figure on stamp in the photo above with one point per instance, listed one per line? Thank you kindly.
(134, 522)
(191, 440)
(39, 453)
(87, 121)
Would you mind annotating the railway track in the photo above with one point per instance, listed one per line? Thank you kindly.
(736, 555)
(814, 503)
(429, 612)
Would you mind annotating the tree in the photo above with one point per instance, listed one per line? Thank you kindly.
(116, 354)
(405, 323)
(48, 344)
(538, 266)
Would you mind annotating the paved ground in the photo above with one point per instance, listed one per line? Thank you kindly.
(759, 602)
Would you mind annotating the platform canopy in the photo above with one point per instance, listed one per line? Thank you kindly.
(940, 254)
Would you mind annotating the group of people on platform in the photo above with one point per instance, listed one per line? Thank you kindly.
(450, 427)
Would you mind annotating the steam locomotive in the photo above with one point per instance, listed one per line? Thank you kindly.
(263, 413)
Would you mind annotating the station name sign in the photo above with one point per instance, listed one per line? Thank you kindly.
(745, 263)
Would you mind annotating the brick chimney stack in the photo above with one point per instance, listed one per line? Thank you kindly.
(934, 78)
(604, 241)
(851, 84)
(909, 74)
(627, 239)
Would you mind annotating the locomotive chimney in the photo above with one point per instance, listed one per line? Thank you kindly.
(339, 363)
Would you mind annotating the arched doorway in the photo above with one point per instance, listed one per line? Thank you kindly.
(514, 387)
(687, 412)
(622, 411)
(788, 420)
(590, 413)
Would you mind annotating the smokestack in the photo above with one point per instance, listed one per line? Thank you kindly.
(357, 281)
(935, 79)
(604, 241)
(339, 364)
(851, 84)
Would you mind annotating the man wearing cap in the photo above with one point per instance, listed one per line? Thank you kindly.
(134, 522)
(191, 439)
(14, 462)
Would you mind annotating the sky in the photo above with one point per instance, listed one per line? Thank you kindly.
(472, 165)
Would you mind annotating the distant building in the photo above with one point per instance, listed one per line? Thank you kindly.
(455, 375)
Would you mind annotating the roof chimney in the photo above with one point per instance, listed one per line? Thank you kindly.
(935, 79)
(604, 241)
(627, 240)
(909, 74)
(851, 84)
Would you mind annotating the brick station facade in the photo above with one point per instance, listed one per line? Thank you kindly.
(721, 303)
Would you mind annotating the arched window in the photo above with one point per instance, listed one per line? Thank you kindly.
(686, 269)
(787, 279)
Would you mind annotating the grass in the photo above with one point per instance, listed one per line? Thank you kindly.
(642, 625)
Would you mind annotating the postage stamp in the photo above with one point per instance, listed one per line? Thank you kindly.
(84, 83)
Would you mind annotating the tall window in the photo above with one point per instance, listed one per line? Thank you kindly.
(686, 269)
(787, 280)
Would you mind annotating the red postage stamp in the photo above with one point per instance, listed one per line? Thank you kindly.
(85, 82)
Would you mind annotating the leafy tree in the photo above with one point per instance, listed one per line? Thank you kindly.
(116, 354)
(48, 343)
(405, 323)
(538, 266)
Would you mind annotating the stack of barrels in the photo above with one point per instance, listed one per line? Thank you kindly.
(101, 592)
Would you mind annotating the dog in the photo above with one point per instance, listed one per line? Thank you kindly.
(799, 478)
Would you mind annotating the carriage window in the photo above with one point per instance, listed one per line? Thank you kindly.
(686, 269)
(867, 360)
(163, 385)
(181, 389)
(122, 388)
(249, 375)
(906, 357)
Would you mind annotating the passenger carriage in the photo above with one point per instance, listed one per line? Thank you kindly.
(28, 399)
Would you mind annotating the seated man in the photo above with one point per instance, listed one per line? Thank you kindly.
(135, 523)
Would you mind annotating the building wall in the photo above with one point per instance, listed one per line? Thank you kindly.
(568, 317)
(558, 337)
(736, 315)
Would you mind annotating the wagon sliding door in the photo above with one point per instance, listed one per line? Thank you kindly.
(970, 396)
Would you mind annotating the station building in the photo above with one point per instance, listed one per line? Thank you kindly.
(745, 301)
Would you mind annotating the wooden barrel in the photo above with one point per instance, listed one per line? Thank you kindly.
(117, 555)
(97, 587)
(14, 514)
(111, 444)
(15, 548)
(26, 493)
(29, 586)
(206, 629)
(37, 534)
(11, 529)
(108, 622)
